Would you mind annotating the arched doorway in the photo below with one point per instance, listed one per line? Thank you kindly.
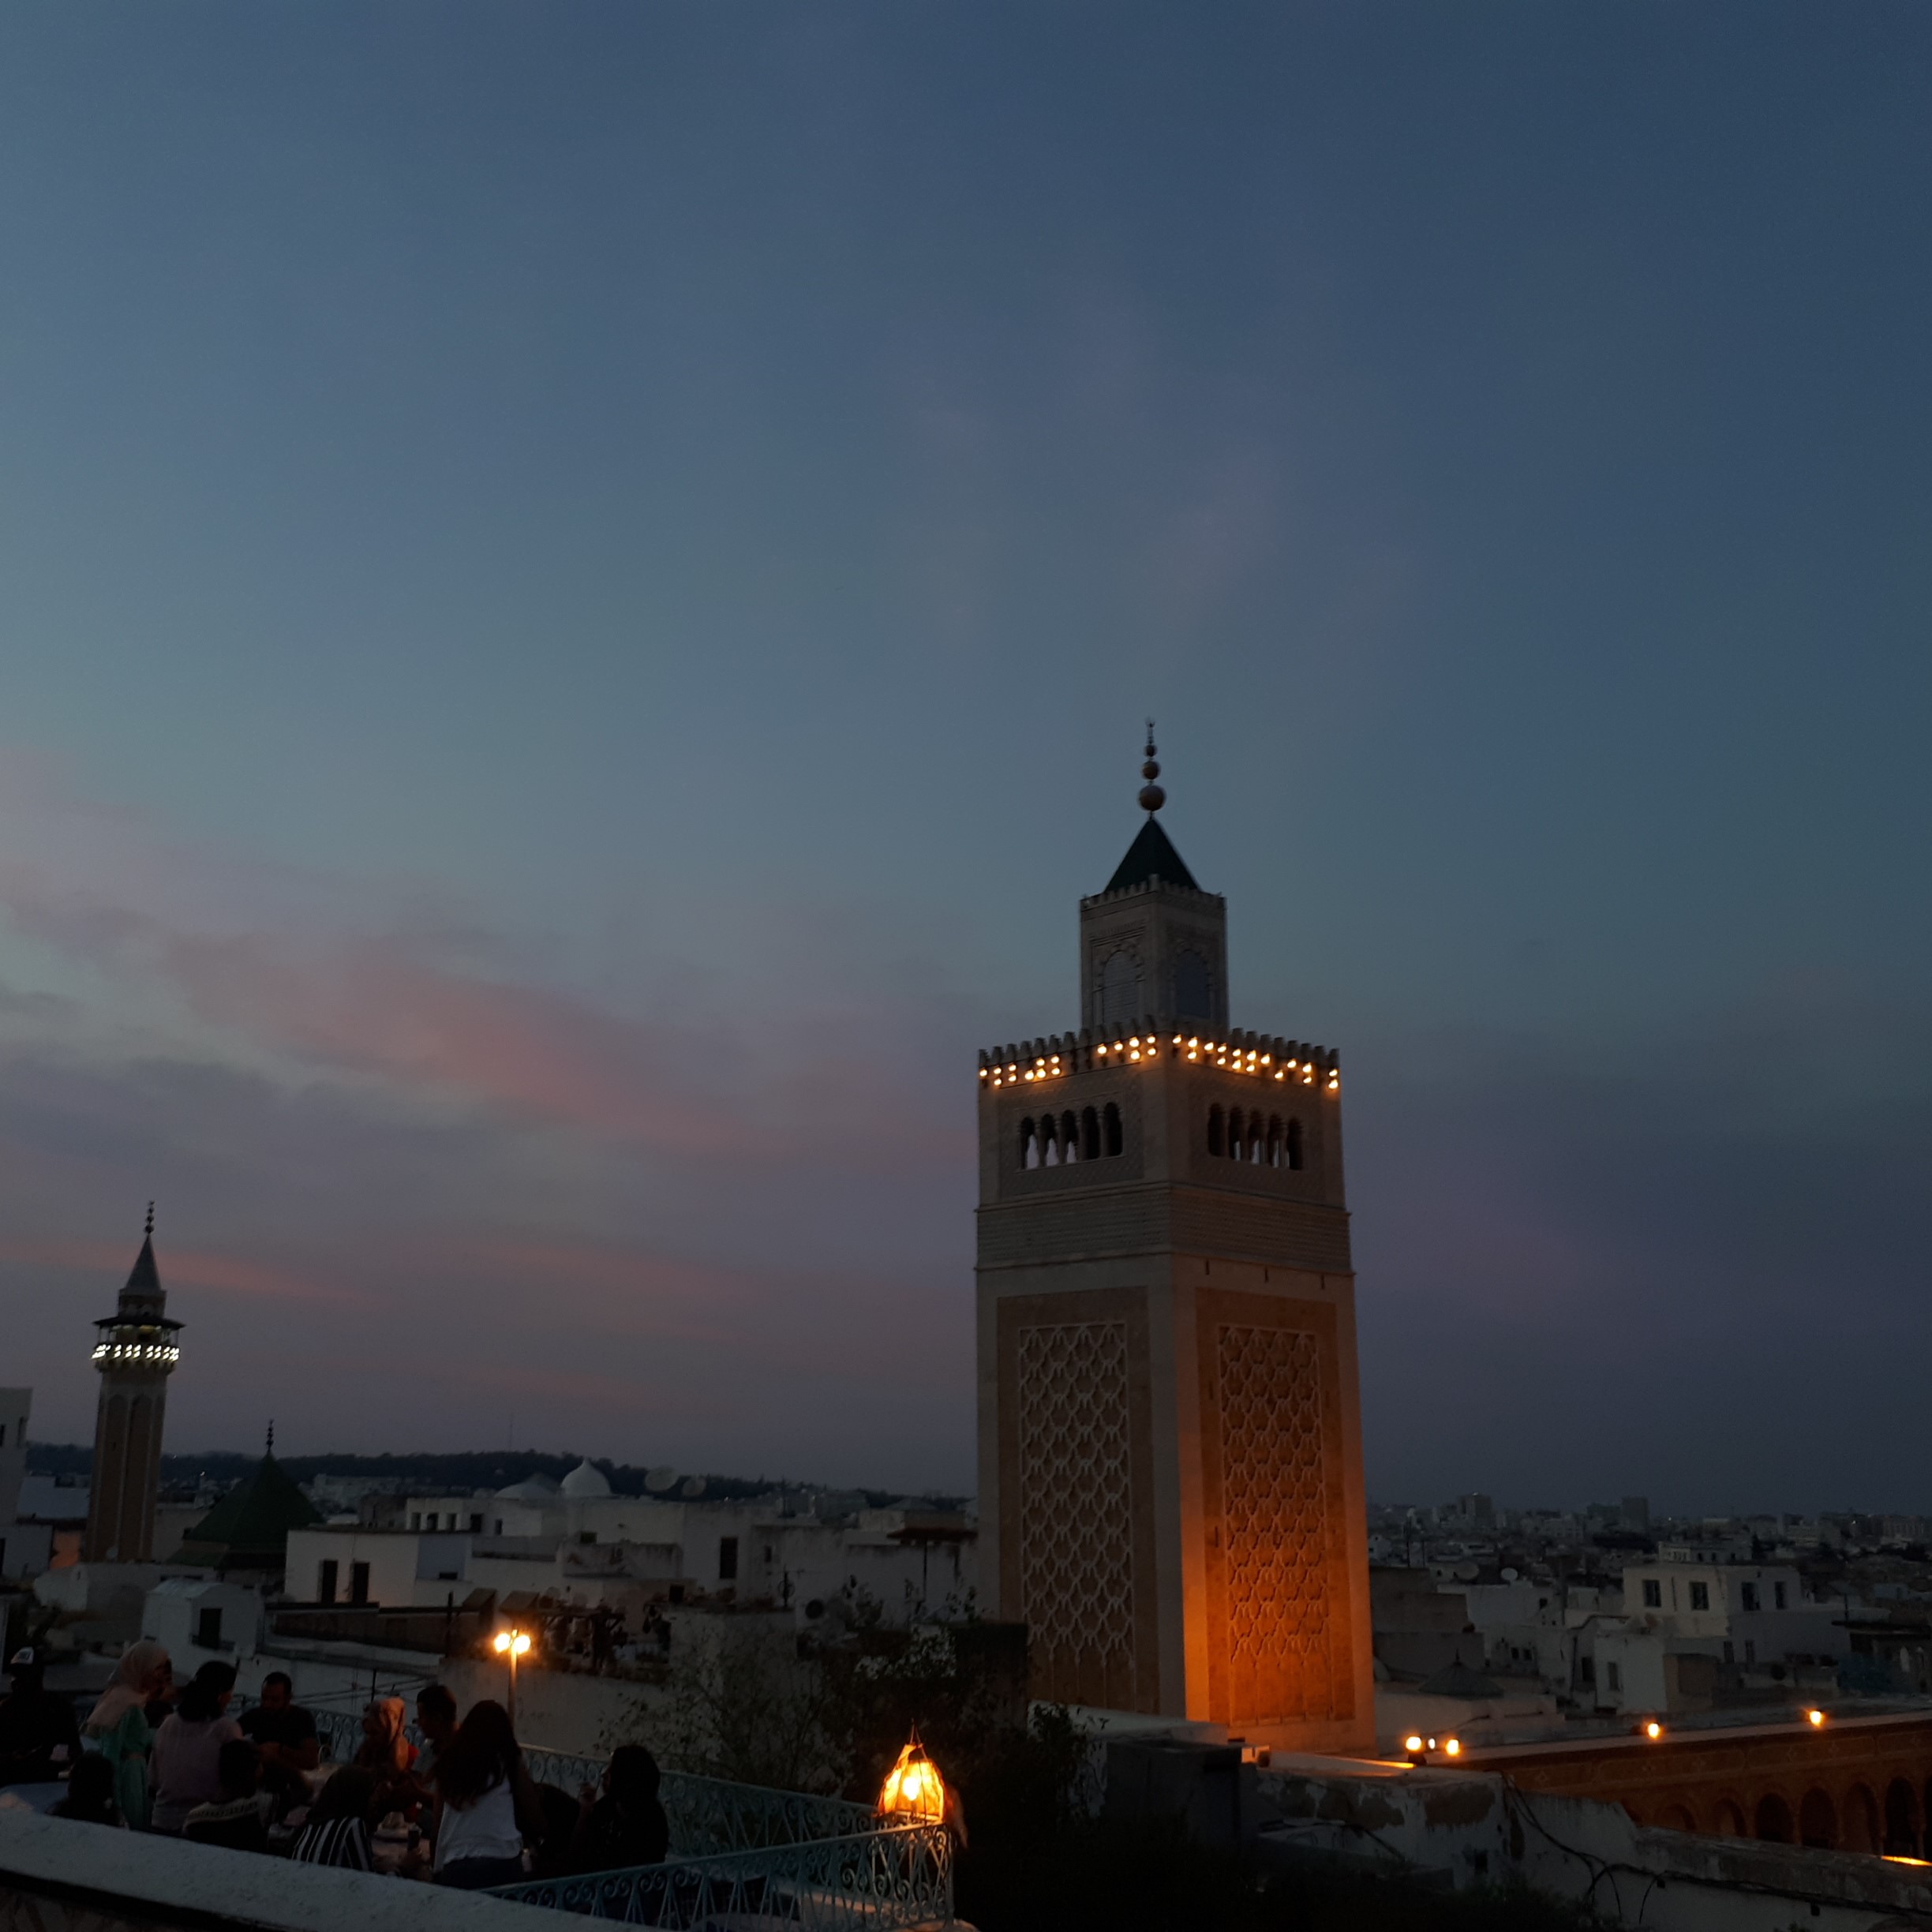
(1862, 1832)
(1676, 1818)
(1818, 1821)
(1728, 1821)
(1901, 1819)
(1773, 1819)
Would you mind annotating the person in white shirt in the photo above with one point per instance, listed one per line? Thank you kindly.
(187, 1749)
(486, 1803)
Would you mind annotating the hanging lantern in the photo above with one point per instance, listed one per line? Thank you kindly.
(914, 1793)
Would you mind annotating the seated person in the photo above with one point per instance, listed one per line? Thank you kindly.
(435, 1718)
(386, 1752)
(39, 1736)
(337, 1831)
(185, 1758)
(550, 1856)
(627, 1826)
(90, 1792)
(284, 1735)
(237, 1816)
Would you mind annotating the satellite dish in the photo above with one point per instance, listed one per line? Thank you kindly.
(693, 1486)
(1511, 1576)
(660, 1479)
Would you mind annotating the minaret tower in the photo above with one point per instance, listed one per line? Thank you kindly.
(1170, 1484)
(136, 1354)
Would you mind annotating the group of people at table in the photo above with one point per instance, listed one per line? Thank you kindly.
(462, 1808)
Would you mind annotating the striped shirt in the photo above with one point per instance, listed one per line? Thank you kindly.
(334, 1841)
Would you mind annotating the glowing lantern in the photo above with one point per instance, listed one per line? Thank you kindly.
(914, 1793)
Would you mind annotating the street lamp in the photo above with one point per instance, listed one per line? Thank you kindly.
(511, 1644)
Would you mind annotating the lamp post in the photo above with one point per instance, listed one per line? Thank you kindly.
(511, 1644)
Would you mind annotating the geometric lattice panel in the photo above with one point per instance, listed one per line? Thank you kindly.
(1274, 1496)
(1075, 1500)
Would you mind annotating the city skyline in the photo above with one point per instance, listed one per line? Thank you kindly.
(579, 598)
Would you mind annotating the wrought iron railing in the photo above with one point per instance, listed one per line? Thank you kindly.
(896, 1876)
(708, 1817)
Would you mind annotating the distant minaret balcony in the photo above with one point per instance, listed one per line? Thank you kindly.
(152, 1345)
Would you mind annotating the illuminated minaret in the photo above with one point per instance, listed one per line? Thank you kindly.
(136, 1354)
(1170, 1484)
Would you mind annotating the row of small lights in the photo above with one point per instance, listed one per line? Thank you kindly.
(1415, 1747)
(136, 1351)
(1046, 1066)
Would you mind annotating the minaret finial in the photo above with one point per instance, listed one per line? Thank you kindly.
(150, 1227)
(1152, 797)
(271, 1434)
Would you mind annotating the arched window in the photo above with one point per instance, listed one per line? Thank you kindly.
(1070, 1138)
(1862, 1832)
(1029, 1145)
(1293, 1143)
(1120, 988)
(1111, 1122)
(1901, 1820)
(1274, 1140)
(1090, 1134)
(1217, 1133)
(1191, 995)
(1234, 1133)
(1050, 1143)
(1818, 1821)
(1773, 1819)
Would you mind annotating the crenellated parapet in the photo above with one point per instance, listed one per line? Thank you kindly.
(1262, 1056)
(1116, 895)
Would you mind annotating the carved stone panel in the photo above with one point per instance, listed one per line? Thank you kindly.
(1272, 1463)
(1076, 1482)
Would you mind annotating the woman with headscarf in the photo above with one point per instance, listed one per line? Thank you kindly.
(387, 1753)
(118, 1725)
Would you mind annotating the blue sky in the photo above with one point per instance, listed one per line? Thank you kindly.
(578, 587)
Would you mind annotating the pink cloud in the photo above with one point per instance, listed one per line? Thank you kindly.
(216, 1274)
(376, 1006)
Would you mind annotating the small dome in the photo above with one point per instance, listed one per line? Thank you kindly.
(531, 1489)
(584, 1481)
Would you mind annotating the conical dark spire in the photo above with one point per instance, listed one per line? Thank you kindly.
(1151, 860)
(145, 1278)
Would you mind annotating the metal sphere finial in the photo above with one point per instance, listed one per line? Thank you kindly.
(150, 1227)
(1152, 797)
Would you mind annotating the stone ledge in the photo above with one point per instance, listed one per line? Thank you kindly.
(156, 1881)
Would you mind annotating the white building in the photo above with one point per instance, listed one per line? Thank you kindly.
(201, 1619)
(1753, 1613)
(579, 1544)
(1686, 1627)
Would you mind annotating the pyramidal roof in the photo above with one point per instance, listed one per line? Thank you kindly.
(1151, 859)
(143, 1278)
(251, 1523)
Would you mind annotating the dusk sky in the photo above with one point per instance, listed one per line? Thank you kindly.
(579, 587)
